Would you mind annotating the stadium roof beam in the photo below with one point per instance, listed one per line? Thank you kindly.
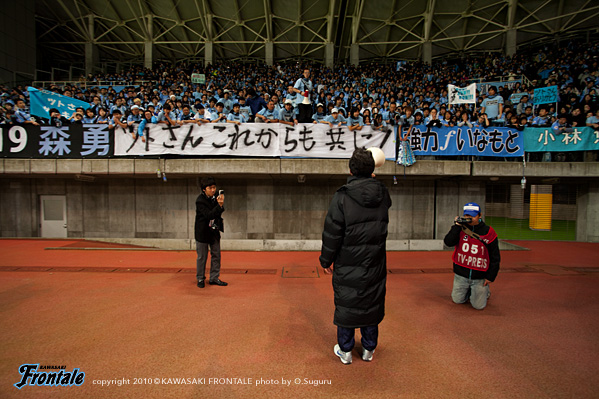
(388, 36)
(329, 50)
(533, 14)
(465, 20)
(553, 18)
(582, 20)
(240, 23)
(139, 18)
(355, 28)
(82, 28)
(90, 47)
(560, 11)
(304, 29)
(180, 23)
(269, 50)
(511, 41)
(119, 23)
(487, 22)
(427, 45)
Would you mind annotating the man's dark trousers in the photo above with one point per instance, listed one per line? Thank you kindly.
(346, 341)
(202, 250)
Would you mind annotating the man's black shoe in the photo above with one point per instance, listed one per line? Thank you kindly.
(218, 282)
(201, 284)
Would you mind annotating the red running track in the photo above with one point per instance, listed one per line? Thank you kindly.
(537, 337)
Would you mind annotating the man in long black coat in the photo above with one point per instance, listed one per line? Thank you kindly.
(354, 240)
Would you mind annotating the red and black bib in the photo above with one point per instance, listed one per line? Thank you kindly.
(472, 253)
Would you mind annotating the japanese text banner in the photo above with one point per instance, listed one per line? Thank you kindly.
(256, 139)
(43, 100)
(69, 141)
(459, 95)
(448, 141)
(546, 95)
(546, 140)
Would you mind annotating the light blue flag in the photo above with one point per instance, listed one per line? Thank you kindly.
(546, 95)
(545, 139)
(42, 100)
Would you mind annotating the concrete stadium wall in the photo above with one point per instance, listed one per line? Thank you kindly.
(257, 208)
(588, 213)
(266, 206)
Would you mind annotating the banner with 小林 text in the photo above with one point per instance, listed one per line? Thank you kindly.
(547, 140)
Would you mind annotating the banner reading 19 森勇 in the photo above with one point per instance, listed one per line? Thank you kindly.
(69, 141)
(450, 141)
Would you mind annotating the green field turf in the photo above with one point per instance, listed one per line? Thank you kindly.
(517, 229)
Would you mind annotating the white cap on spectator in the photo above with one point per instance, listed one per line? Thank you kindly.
(288, 101)
(226, 91)
(319, 105)
(334, 111)
(135, 107)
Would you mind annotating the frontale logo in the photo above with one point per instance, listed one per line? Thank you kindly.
(32, 377)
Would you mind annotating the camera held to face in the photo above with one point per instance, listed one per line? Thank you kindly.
(463, 220)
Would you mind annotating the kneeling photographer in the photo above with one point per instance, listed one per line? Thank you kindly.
(476, 257)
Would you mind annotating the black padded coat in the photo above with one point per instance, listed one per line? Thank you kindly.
(354, 240)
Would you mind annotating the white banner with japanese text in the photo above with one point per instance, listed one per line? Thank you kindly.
(252, 140)
(462, 95)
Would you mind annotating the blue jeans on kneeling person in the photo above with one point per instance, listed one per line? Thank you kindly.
(479, 293)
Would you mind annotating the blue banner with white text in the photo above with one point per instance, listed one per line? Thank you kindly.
(546, 95)
(43, 100)
(451, 141)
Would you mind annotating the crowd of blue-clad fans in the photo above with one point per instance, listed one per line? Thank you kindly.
(377, 95)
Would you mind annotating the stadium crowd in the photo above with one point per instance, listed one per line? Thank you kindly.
(410, 93)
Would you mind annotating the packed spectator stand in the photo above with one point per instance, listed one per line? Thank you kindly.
(404, 94)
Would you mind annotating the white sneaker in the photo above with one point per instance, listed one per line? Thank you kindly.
(367, 355)
(344, 356)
